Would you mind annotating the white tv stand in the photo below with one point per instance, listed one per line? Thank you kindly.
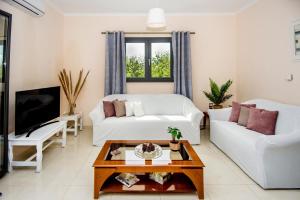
(36, 138)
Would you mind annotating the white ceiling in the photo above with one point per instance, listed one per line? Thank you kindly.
(142, 6)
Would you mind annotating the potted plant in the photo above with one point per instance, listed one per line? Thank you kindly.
(176, 134)
(217, 95)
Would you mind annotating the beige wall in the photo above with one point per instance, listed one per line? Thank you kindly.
(213, 52)
(265, 52)
(36, 51)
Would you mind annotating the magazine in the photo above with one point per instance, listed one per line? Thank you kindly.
(127, 179)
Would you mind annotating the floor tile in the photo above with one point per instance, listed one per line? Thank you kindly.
(230, 192)
(275, 194)
(68, 174)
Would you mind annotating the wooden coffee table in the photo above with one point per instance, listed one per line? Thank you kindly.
(185, 165)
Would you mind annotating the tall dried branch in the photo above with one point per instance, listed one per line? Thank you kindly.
(82, 84)
(67, 85)
(71, 84)
(78, 82)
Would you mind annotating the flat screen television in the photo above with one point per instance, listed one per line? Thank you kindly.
(36, 107)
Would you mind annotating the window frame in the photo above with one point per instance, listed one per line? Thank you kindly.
(148, 41)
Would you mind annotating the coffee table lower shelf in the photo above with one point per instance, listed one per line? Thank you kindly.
(178, 183)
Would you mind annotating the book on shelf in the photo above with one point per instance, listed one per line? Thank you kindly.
(127, 179)
(160, 177)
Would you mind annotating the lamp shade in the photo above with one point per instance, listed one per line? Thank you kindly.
(156, 18)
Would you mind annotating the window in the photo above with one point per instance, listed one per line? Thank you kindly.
(149, 60)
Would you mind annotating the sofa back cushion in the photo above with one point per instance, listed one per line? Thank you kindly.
(154, 104)
(119, 108)
(262, 121)
(109, 109)
(288, 119)
(236, 109)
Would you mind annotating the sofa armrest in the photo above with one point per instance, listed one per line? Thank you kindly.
(97, 113)
(280, 158)
(219, 114)
(192, 113)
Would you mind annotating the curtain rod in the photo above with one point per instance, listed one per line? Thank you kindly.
(136, 33)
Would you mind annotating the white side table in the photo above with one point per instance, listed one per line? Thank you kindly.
(78, 122)
(36, 138)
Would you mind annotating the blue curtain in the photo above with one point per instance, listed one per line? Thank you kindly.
(115, 63)
(182, 68)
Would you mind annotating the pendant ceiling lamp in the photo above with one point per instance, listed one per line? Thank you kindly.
(156, 18)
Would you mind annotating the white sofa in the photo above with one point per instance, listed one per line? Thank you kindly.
(161, 111)
(271, 161)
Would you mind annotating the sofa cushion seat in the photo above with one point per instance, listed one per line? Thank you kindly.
(239, 143)
(146, 127)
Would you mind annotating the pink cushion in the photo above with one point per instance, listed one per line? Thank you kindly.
(244, 116)
(109, 109)
(262, 121)
(236, 109)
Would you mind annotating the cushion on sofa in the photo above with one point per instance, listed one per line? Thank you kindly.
(129, 106)
(244, 116)
(109, 109)
(262, 121)
(119, 108)
(236, 109)
(138, 109)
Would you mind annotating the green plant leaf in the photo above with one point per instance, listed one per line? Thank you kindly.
(217, 94)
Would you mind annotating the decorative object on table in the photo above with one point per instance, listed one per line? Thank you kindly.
(127, 179)
(148, 151)
(296, 39)
(115, 152)
(217, 94)
(176, 134)
(67, 85)
(160, 177)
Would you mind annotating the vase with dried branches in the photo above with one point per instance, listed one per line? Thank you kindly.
(67, 85)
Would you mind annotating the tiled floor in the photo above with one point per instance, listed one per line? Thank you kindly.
(68, 174)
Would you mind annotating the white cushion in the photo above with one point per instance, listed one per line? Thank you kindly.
(129, 106)
(138, 109)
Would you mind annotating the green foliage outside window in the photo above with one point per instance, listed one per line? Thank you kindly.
(160, 66)
(135, 67)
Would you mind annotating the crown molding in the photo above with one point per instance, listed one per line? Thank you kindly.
(246, 7)
(54, 7)
(145, 14)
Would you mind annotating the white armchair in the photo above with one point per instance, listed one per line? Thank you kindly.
(271, 161)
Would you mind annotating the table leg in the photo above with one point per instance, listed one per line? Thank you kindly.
(81, 123)
(75, 127)
(39, 157)
(64, 135)
(196, 176)
(100, 176)
(10, 156)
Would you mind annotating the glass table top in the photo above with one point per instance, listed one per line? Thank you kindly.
(127, 152)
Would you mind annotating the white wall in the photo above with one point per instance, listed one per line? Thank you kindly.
(213, 52)
(36, 52)
(265, 52)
